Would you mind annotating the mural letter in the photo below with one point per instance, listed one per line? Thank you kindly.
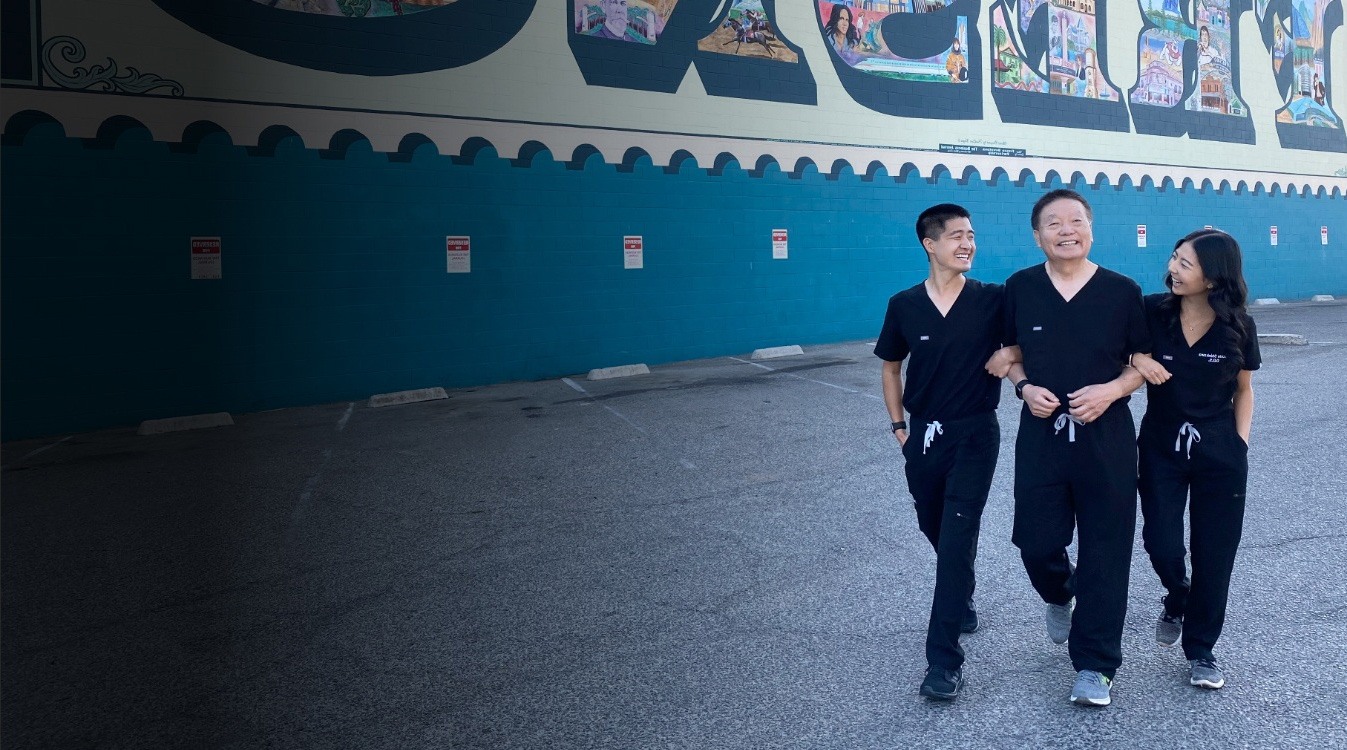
(361, 37)
(1186, 82)
(1297, 32)
(649, 45)
(913, 58)
(1048, 65)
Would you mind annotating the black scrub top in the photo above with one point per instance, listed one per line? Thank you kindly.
(946, 378)
(1069, 345)
(1205, 374)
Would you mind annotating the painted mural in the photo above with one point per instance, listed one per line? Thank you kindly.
(1164, 77)
(912, 73)
(1281, 42)
(1010, 68)
(1027, 9)
(639, 21)
(747, 31)
(1307, 103)
(1072, 51)
(362, 38)
(854, 32)
(356, 8)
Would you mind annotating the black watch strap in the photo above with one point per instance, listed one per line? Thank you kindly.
(899, 426)
(1019, 388)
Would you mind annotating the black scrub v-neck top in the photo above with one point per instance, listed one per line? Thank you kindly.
(946, 377)
(1205, 374)
(1068, 345)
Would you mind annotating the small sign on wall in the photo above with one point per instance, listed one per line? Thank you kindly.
(206, 258)
(633, 251)
(780, 249)
(1274, 236)
(1323, 235)
(458, 254)
(1141, 235)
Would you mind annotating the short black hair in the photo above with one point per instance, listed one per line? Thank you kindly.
(1055, 195)
(932, 221)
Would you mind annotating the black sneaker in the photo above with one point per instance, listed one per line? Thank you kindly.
(1168, 629)
(970, 622)
(942, 684)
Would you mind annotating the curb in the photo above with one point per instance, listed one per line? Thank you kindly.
(1291, 339)
(777, 351)
(407, 397)
(621, 371)
(178, 424)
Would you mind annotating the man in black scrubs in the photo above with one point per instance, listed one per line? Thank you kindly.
(1075, 455)
(951, 327)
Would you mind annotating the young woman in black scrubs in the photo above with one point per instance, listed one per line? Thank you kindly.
(1194, 440)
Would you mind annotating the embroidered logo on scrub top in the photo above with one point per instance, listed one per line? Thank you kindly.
(1038, 328)
(925, 338)
(1167, 356)
(1214, 359)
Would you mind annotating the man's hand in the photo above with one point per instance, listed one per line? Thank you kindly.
(1089, 403)
(1042, 403)
(902, 437)
(1002, 359)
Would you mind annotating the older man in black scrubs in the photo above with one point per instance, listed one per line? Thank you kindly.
(1075, 455)
(950, 325)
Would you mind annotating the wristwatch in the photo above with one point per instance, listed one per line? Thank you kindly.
(898, 426)
(1019, 388)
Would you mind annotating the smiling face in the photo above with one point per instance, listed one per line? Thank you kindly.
(1064, 230)
(1185, 273)
(955, 247)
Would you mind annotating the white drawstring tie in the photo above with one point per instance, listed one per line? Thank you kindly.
(932, 429)
(1069, 422)
(1189, 429)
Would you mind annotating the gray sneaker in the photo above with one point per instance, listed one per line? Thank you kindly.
(1168, 629)
(1059, 621)
(1205, 674)
(1091, 689)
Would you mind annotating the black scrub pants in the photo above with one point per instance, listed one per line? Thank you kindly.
(1088, 486)
(949, 479)
(1209, 475)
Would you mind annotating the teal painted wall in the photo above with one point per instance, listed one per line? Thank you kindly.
(335, 288)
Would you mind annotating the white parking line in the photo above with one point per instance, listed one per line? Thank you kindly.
(807, 380)
(44, 448)
(610, 409)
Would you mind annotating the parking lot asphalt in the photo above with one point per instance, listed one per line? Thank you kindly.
(720, 554)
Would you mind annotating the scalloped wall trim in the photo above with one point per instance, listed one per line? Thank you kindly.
(84, 115)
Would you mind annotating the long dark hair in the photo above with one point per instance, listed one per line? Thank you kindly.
(853, 34)
(1223, 265)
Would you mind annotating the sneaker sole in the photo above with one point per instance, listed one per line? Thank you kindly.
(1207, 684)
(936, 696)
(1169, 644)
(1091, 702)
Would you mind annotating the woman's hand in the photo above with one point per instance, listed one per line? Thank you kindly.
(1154, 372)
